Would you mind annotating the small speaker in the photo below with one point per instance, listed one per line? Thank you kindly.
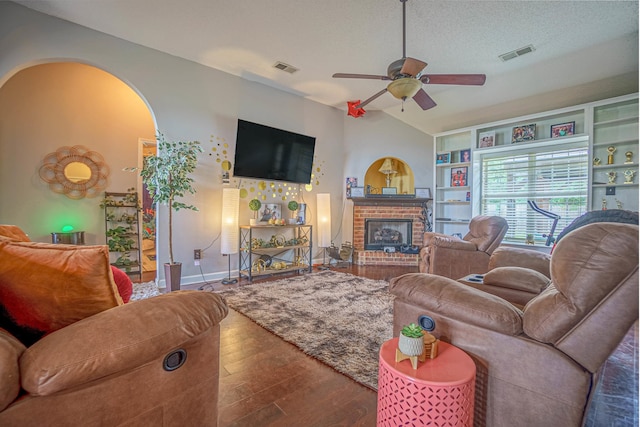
(174, 360)
(426, 323)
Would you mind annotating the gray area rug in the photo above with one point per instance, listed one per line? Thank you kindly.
(338, 318)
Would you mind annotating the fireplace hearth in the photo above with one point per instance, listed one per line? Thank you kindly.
(383, 233)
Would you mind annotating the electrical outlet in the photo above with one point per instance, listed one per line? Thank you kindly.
(197, 254)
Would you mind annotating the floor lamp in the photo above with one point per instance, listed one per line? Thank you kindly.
(323, 206)
(229, 233)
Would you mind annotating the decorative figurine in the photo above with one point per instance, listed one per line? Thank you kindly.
(611, 149)
(604, 204)
(618, 204)
(629, 159)
(628, 176)
(596, 161)
(612, 177)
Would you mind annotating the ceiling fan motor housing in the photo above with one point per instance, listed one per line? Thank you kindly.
(393, 71)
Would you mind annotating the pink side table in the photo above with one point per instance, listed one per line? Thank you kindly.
(439, 393)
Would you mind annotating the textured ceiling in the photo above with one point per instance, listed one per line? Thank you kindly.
(576, 42)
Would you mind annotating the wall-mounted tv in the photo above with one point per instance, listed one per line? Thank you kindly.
(264, 152)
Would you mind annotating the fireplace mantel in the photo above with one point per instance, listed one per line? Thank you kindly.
(388, 201)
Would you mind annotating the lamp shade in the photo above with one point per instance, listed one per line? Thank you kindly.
(323, 206)
(229, 233)
(387, 166)
(405, 87)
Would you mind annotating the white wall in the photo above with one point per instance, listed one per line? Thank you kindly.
(190, 101)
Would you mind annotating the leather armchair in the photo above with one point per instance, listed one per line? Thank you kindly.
(537, 366)
(452, 257)
(109, 369)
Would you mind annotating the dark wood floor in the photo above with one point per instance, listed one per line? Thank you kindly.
(268, 382)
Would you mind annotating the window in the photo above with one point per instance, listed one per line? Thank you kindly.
(554, 177)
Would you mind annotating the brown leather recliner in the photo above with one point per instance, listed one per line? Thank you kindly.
(452, 257)
(109, 369)
(538, 366)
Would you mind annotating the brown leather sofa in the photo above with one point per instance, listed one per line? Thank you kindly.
(537, 366)
(100, 362)
(452, 257)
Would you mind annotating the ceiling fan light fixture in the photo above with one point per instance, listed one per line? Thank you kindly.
(404, 88)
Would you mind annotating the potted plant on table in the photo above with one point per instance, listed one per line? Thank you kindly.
(293, 207)
(411, 340)
(166, 175)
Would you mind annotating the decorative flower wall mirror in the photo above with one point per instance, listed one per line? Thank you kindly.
(75, 172)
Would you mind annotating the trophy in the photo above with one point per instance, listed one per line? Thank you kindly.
(629, 156)
(612, 177)
(611, 149)
(628, 176)
(596, 161)
(604, 204)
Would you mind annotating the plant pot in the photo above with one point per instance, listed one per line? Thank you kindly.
(253, 221)
(411, 346)
(172, 274)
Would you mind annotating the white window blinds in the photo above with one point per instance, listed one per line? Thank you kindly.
(554, 177)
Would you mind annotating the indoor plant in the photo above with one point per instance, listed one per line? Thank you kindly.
(293, 207)
(255, 206)
(166, 175)
(411, 341)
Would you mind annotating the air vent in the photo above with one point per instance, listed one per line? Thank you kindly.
(285, 67)
(516, 53)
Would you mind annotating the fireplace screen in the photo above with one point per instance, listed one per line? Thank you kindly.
(381, 233)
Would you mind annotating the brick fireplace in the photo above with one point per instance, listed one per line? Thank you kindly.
(386, 212)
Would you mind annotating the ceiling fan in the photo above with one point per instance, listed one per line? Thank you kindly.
(407, 80)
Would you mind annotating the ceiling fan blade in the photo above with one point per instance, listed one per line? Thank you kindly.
(412, 66)
(454, 79)
(423, 100)
(366, 101)
(359, 76)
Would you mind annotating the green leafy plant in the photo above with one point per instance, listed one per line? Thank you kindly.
(412, 331)
(167, 176)
(292, 206)
(255, 206)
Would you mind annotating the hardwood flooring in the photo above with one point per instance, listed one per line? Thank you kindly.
(265, 381)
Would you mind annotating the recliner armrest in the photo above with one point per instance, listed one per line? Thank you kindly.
(449, 298)
(118, 339)
(453, 243)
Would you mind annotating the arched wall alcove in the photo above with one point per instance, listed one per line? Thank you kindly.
(402, 180)
(48, 104)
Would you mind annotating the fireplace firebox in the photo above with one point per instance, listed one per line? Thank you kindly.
(383, 233)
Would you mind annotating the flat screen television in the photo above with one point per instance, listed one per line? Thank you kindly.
(264, 152)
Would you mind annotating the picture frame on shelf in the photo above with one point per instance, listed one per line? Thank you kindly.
(465, 156)
(357, 192)
(423, 193)
(270, 211)
(459, 176)
(389, 191)
(523, 133)
(351, 182)
(487, 139)
(563, 129)
(443, 158)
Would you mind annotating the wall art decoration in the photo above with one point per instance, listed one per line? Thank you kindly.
(443, 158)
(459, 176)
(563, 129)
(486, 139)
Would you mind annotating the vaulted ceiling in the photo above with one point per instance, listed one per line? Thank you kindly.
(588, 46)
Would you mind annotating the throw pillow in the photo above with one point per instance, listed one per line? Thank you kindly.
(123, 283)
(45, 287)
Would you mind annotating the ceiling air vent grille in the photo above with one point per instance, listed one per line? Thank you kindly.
(516, 53)
(285, 67)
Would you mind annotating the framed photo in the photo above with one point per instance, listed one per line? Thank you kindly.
(389, 190)
(563, 129)
(357, 192)
(523, 133)
(443, 158)
(351, 182)
(270, 210)
(459, 176)
(423, 193)
(465, 156)
(487, 139)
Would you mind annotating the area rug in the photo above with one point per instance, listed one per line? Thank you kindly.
(337, 318)
(144, 290)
